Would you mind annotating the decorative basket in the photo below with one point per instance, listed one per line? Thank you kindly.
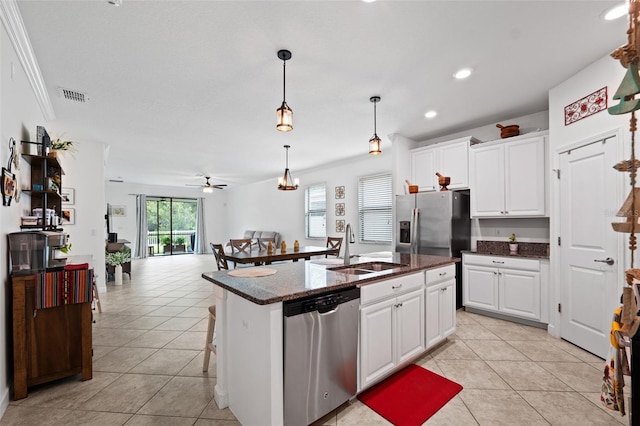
(413, 189)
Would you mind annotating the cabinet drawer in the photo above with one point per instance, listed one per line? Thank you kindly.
(503, 262)
(437, 275)
(390, 288)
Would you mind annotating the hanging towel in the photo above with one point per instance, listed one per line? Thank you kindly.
(63, 287)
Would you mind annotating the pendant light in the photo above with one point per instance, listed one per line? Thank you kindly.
(285, 183)
(284, 113)
(374, 142)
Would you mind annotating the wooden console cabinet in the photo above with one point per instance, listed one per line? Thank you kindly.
(53, 344)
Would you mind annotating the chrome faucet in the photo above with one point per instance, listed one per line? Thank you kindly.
(349, 238)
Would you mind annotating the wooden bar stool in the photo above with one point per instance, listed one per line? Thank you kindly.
(209, 346)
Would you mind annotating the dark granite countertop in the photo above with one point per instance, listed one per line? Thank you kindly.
(294, 280)
(519, 255)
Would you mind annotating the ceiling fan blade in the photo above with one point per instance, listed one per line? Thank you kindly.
(192, 184)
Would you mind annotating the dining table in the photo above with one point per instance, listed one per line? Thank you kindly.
(266, 257)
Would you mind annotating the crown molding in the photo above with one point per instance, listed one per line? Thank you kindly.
(13, 24)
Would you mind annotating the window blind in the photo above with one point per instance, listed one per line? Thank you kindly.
(375, 208)
(315, 197)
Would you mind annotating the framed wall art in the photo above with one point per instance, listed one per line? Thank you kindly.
(118, 211)
(339, 225)
(339, 192)
(68, 196)
(339, 209)
(68, 216)
(8, 186)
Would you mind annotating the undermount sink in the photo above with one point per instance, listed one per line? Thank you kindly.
(351, 271)
(366, 268)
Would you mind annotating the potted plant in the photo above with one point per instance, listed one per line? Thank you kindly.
(180, 246)
(513, 244)
(166, 244)
(60, 146)
(116, 259)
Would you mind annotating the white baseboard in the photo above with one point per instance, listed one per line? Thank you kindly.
(4, 402)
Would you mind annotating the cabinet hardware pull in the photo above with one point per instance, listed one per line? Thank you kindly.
(443, 274)
(495, 273)
(496, 261)
(396, 286)
(608, 261)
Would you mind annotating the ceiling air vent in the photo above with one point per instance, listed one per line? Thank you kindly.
(73, 95)
(116, 180)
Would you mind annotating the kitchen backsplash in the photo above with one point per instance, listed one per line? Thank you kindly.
(502, 248)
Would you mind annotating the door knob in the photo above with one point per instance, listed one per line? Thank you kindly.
(608, 261)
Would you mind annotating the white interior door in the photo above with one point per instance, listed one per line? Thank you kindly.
(590, 289)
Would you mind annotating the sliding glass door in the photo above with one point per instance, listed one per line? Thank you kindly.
(171, 224)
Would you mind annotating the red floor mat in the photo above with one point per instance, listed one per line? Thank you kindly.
(410, 396)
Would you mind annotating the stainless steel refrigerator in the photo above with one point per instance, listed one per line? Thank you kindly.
(436, 223)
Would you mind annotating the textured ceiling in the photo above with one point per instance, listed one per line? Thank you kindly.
(186, 88)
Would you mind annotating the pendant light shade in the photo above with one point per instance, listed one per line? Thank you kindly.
(284, 113)
(375, 142)
(286, 183)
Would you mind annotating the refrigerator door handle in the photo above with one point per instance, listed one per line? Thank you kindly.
(414, 231)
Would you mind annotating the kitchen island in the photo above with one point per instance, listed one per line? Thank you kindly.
(249, 323)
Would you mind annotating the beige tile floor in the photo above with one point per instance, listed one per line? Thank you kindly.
(148, 366)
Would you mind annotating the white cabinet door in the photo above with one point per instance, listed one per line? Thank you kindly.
(432, 318)
(520, 293)
(480, 287)
(410, 325)
(441, 312)
(447, 308)
(487, 181)
(525, 177)
(454, 162)
(423, 169)
(377, 340)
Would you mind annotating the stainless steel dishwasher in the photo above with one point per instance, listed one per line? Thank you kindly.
(320, 354)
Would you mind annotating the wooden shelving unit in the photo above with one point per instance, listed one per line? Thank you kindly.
(45, 187)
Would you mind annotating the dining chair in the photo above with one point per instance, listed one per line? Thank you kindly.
(221, 263)
(209, 346)
(334, 243)
(221, 260)
(263, 242)
(242, 245)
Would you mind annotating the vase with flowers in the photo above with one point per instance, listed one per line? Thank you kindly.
(117, 259)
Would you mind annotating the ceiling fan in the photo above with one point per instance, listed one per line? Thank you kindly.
(208, 187)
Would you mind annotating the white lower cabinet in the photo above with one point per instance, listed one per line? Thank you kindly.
(391, 328)
(440, 320)
(511, 286)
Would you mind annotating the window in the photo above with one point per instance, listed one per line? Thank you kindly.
(315, 211)
(375, 208)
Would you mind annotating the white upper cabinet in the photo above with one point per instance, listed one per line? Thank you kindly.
(509, 179)
(447, 158)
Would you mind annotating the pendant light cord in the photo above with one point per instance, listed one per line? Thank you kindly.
(284, 81)
(374, 119)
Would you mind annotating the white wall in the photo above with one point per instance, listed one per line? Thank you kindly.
(19, 116)
(123, 194)
(261, 206)
(84, 172)
(604, 72)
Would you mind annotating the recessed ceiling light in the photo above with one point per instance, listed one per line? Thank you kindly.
(616, 12)
(368, 1)
(430, 114)
(463, 73)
